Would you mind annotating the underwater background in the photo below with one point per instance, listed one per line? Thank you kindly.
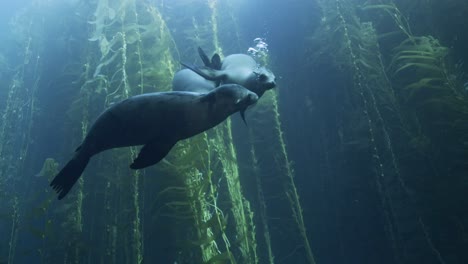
(360, 155)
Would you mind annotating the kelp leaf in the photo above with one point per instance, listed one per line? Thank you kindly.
(371, 7)
(388, 34)
(424, 82)
(216, 227)
(207, 239)
(367, 65)
(419, 65)
(416, 51)
(223, 258)
(416, 57)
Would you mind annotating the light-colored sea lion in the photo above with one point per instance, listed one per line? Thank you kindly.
(189, 81)
(240, 69)
(155, 120)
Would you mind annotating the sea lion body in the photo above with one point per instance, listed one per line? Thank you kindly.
(236, 61)
(239, 69)
(155, 120)
(243, 70)
(188, 80)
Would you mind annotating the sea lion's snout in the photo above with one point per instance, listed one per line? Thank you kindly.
(267, 79)
(271, 85)
(249, 99)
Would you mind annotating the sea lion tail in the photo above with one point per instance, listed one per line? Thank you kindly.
(67, 177)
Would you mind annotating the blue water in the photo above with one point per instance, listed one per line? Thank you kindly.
(357, 156)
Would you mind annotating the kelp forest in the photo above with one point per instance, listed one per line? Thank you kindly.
(359, 155)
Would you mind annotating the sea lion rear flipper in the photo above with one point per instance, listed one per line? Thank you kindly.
(203, 57)
(216, 62)
(67, 177)
(205, 72)
(151, 153)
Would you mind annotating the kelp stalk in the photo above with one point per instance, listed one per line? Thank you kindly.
(291, 190)
(262, 204)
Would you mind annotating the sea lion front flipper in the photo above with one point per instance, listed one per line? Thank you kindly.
(242, 114)
(205, 72)
(151, 153)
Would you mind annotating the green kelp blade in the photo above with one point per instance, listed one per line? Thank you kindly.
(424, 82)
(223, 258)
(417, 57)
(370, 7)
(418, 65)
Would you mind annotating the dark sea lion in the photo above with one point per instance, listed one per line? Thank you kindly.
(240, 69)
(155, 120)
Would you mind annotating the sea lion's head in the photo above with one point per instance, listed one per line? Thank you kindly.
(235, 96)
(230, 98)
(264, 80)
